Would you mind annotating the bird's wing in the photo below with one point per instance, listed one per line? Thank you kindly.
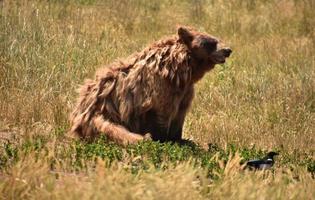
(255, 163)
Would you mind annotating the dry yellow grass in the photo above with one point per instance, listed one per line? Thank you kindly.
(30, 179)
(263, 96)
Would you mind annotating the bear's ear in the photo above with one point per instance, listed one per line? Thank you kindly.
(185, 35)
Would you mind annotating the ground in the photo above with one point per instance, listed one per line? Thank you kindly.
(261, 99)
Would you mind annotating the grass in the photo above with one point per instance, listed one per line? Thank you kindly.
(262, 99)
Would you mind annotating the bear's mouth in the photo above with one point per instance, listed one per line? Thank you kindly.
(219, 60)
(220, 56)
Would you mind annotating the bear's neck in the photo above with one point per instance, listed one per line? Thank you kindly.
(199, 68)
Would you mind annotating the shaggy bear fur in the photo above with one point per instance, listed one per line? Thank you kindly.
(148, 94)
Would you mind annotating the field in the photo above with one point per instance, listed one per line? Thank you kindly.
(262, 99)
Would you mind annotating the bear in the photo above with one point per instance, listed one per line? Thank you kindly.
(148, 94)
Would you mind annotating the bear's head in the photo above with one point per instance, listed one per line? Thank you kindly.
(206, 49)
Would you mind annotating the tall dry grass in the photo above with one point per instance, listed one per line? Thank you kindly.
(30, 179)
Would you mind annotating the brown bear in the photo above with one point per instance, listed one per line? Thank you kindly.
(148, 94)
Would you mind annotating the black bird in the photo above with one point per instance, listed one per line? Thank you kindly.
(262, 164)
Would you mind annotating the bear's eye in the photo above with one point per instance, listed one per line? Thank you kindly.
(209, 45)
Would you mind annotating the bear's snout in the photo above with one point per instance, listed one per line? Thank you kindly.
(227, 51)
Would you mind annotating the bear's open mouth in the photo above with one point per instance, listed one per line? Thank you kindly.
(218, 60)
(219, 56)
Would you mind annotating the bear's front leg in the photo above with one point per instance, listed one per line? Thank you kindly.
(176, 128)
